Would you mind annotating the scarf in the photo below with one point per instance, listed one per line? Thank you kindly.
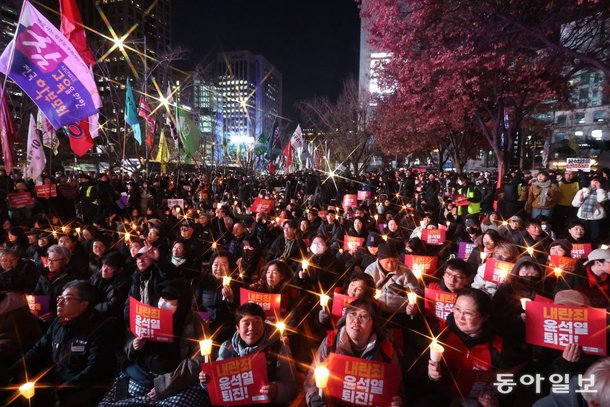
(587, 209)
(544, 189)
(177, 261)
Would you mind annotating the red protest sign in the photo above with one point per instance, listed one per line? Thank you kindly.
(497, 270)
(350, 200)
(352, 243)
(340, 301)
(580, 250)
(560, 264)
(421, 264)
(364, 195)
(20, 199)
(270, 303)
(46, 191)
(433, 236)
(237, 381)
(362, 382)
(38, 304)
(540, 298)
(262, 205)
(438, 304)
(149, 322)
(555, 326)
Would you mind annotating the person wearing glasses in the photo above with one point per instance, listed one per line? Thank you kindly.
(75, 356)
(53, 278)
(360, 333)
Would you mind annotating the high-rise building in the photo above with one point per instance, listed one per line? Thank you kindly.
(252, 95)
(9, 16)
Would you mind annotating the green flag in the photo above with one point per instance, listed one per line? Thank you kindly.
(131, 117)
(188, 131)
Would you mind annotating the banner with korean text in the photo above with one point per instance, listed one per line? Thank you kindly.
(352, 243)
(439, 303)
(49, 70)
(237, 381)
(340, 301)
(46, 191)
(364, 195)
(558, 265)
(350, 201)
(262, 205)
(421, 264)
(580, 250)
(149, 322)
(496, 270)
(270, 303)
(555, 326)
(433, 236)
(20, 199)
(362, 382)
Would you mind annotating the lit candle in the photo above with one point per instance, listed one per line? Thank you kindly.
(604, 247)
(377, 294)
(127, 235)
(412, 297)
(557, 271)
(305, 265)
(504, 223)
(63, 229)
(277, 219)
(436, 351)
(376, 217)
(384, 237)
(448, 223)
(281, 327)
(54, 234)
(524, 301)
(340, 251)
(214, 245)
(422, 223)
(418, 270)
(321, 374)
(77, 230)
(133, 225)
(226, 281)
(27, 390)
(324, 300)
(530, 251)
(483, 256)
(206, 347)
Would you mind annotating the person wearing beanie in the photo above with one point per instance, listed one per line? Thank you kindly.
(364, 256)
(393, 279)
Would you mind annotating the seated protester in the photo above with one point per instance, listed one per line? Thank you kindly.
(182, 263)
(415, 246)
(32, 236)
(235, 247)
(358, 228)
(357, 285)
(89, 233)
(560, 247)
(576, 232)
(470, 230)
(161, 373)
(288, 246)
(45, 240)
(484, 247)
(111, 285)
(218, 300)
(598, 374)
(156, 238)
(469, 344)
(98, 250)
(504, 251)
(394, 235)
(74, 357)
(423, 224)
(19, 328)
(252, 336)
(393, 279)
(490, 222)
(457, 274)
(276, 279)
(251, 263)
(134, 247)
(360, 333)
(17, 274)
(545, 224)
(192, 245)
(79, 260)
(533, 236)
(360, 259)
(17, 241)
(325, 270)
(53, 278)
(590, 278)
(332, 231)
(512, 230)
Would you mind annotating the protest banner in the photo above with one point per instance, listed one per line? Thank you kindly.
(497, 270)
(576, 164)
(433, 236)
(46, 191)
(364, 195)
(237, 381)
(362, 382)
(20, 199)
(464, 250)
(421, 264)
(555, 326)
(557, 265)
(580, 250)
(38, 304)
(175, 202)
(340, 301)
(270, 303)
(262, 205)
(350, 201)
(352, 243)
(438, 304)
(150, 322)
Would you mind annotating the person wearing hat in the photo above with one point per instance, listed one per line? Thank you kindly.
(364, 256)
(111, 285)
(193, 246)
(332, 230)
(590, 278)
(392, 278)
(511, 230)
(313, 219)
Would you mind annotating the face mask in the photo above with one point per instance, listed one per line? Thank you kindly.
(529, 280)
(316, 249)
(471, 230)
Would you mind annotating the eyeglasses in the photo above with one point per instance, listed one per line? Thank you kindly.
(467, 314)
(362, 318)
(453, 276)
(66, 298)
(56, 260)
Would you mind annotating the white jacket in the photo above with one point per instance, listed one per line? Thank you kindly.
(392, 300)
(480, 283)
(581, 195)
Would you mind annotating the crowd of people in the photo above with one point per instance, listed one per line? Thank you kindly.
(189, 243)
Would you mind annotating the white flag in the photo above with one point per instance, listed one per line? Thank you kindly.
(35, 153)
(297, 140)
(49, 138)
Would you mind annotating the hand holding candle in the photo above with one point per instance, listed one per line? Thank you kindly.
(324, 300)
(321, 375)
(436, 351)
(206, 348)
(27, 390)
(524, 302)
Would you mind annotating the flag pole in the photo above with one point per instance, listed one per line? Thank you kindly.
(11, 57)
(145, 93)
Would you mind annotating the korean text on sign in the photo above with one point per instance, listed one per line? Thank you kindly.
(555, 326)
(150, 322)
(433, 236)
(497, 270)
(270, 303)
(421, 264)
(362, 382)
(237, 381)
(439, 303)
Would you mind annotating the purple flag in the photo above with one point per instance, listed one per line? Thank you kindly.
(49, 70)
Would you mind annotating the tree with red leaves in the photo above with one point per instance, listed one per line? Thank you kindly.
(453, 66)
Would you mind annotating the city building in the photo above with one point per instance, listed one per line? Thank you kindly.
(251, 88)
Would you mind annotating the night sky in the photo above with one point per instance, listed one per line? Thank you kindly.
(314, 43)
